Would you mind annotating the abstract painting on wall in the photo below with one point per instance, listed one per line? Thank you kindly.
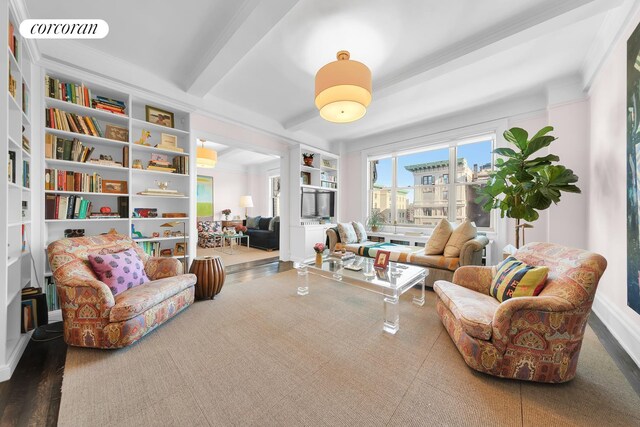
(633, 170)
(204, 196)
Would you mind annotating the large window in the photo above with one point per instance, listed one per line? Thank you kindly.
(414, 189)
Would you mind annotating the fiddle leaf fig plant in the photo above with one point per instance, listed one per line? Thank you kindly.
(522, 185)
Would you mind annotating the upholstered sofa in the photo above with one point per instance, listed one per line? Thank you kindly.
(92, 316)
(440, 267)
(262, 237)
(528, 338)
(207, 234)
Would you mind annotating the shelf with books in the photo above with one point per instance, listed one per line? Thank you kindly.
(85, 138)
(87, 193)
(158, 172)
(85, 220)
(84, 165)
(121, 119)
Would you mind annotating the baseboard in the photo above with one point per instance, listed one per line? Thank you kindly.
(7, 370)
(627, 337)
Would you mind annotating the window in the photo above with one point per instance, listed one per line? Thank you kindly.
(274, 185)
(414, 189)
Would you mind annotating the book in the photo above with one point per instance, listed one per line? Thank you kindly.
(49, 206)
(12, 166)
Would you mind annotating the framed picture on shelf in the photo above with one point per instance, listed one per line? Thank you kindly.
(117, 133)
(114, 187)
(326, 163)
(168, 140)
(158, 116)
(155, 157)
(166, 252)
(305, 178)
(145, 212)
(179, 249)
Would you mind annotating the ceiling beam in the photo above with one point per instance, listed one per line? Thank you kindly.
(226, 153)
(529, 25)
(254, 19)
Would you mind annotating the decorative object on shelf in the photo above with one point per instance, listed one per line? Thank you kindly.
(69, 233)
(143, 138)
(521, 186)
(382, 259)
(155, 234)
(246, 202)
(174, 215)
(158, 116)
(210, 273)
(137, 164)
(166, 252)
(343, 89)
(145, 212)
(163, 185)
(168, 140)
(226, 213)
(26, 144)
(166, 233)
(319, 249)
(307, 158)
(327, 163)
(117, 133)
(114, 187)
(105, 210)
(112, 231)
(204, 196)
(205, 157)
(134, 233)
(305, 178)
(180, 248)
(375, 220)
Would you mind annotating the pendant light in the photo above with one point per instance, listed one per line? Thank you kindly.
(343, 89)
(205, 157)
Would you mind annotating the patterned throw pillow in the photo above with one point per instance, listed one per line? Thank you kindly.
(347, 233)
(120, 271)
(272, 223)
(461, 235)
(253, 221)
(517, 279)
(361, 232)
(439, 238)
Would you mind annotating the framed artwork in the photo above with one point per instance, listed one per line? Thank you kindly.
(114, 187)
(305, 178)
(166, 252)
(116, 133)
(382, 259)
(633, 170)
(204, 196)
(179, 249)
(156, 157)
(158, 116)
(145, 212)
(170, 140)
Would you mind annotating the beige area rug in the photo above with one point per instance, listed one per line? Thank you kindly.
(240, 254)
(261, 355)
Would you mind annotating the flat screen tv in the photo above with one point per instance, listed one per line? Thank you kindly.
(317, 203)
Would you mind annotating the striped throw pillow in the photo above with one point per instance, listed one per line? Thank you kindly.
(517, 279)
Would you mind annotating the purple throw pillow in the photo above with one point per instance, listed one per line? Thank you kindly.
(119, 271)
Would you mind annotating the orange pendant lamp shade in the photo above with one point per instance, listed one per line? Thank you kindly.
(343, 89)
(205, 157)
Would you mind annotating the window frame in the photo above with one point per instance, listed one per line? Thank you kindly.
(451, 184)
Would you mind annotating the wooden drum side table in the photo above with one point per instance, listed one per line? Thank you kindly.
(210, 273)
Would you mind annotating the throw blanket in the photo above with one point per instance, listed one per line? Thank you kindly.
(404, 254)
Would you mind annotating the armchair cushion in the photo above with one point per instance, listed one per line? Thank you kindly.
(120, 271)
(517, 279)
(474, 311)
(135, 301)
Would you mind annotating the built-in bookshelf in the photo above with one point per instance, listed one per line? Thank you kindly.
(320, 175)
(108, 169)
(16, 268)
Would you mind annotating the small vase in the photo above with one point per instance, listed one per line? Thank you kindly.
(226, 217)
(318, 259)
(308, 161)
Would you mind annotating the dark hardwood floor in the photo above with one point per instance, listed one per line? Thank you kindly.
(32, 396)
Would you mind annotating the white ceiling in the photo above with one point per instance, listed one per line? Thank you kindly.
(257, 58)
(237, 157)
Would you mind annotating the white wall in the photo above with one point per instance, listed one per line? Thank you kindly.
(607, 224)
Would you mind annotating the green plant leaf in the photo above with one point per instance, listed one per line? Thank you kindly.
(538, 201)
(538, 144)
(545, 130)
(517, 136)
(508, 152)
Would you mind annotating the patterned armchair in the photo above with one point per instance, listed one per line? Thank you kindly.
(92, 315)
(206, 234)
(528, 338)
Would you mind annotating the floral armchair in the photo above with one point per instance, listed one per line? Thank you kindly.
(92, 315)
(528, 338)
(207, 234)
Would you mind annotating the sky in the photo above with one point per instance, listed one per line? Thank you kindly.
(479, 153)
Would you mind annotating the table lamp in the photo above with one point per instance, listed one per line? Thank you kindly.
(184, 239)
(246, 202)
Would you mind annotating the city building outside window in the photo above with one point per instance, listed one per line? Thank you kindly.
(414, 189)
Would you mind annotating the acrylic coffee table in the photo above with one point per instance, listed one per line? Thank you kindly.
(390, 283)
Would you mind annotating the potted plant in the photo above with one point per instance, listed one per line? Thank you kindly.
(319, 249)
(226, 213)
(307, 158)
(375, 220)
(522, 186)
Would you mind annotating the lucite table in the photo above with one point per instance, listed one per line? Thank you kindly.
(392, 282)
